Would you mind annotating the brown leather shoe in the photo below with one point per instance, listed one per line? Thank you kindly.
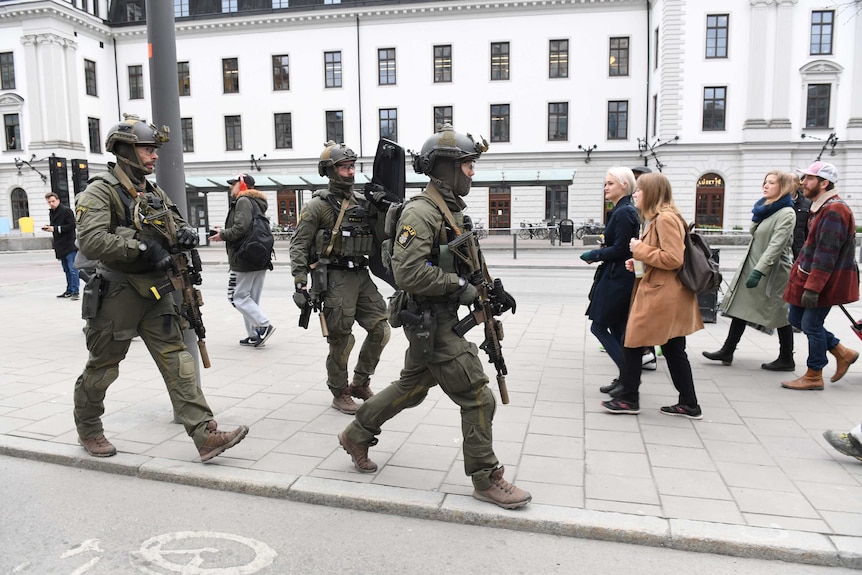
(98, 446)
(358, 453)
(218, 442)
(502, 492)
(344, 403)
(844, 358)
(361, 390)
(813, 379)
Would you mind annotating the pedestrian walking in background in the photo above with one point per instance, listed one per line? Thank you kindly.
(124, 298)
(802, 206)
(824, 274)
(663, 311)
(437, 287)
(611, 292)
(61, 224)
(334, 238)
(245, 279)
(755, 293)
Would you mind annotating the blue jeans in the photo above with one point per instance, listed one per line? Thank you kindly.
(72, 281)
(611, 338)
(810, 321)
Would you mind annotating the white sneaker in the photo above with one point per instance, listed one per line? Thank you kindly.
(648, 361)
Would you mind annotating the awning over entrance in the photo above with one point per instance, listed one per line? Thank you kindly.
(511, 178)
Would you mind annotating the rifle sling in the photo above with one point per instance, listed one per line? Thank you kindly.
(344, 203)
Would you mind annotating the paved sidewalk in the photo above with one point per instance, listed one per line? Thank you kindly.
(753, 478)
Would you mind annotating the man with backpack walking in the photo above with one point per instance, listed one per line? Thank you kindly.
(249, 258)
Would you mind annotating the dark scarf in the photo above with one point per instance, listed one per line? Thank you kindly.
(762, 210)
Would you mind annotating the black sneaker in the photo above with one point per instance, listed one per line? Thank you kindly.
(65, 294)
(607, 388)
(249, 341)
(691, 412)
(74, 296)
(621, 406)
(264, 333)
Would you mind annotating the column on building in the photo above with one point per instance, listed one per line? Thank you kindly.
(781, 84)
(854, 125)
(757, 50)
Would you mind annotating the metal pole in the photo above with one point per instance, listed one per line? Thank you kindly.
(514, 246)
(165, 96)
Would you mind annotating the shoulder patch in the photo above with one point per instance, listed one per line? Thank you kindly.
(405, 236)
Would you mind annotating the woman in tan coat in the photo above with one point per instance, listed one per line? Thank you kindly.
(663, 311)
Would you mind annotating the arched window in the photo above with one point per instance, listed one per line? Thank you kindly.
(710, 201)
(20, 206)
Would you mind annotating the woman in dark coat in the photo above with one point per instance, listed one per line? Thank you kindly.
(612, 287)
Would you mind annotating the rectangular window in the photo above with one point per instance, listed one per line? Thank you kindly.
(558, 59)
(187, 127)
(335, 126)
(618, 120)
(655, 49)
(442, 115)
(499, 122)
(558, 121)
(280, 73)
(184, 76)
(386, 66)
(716, 35)
(181, 8)
(233, 133)
(134, 11)
(442, 64)
(389, 124)
(94, 131)
(230, 79)
(136, 82)
(817, 110)
(283, 131)
(619, 57)
(714, 101)
(654, 115)
(90, 77)
(7, 71)
(821, 31)
(12, 131)
(281, 3)
(332, 70)
(499, 60)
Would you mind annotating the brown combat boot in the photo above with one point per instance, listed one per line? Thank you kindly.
(218, 442)
(813, 379)
(358, 453)
(344, 403)
(502, 492)
(98, 446)
(844, 358)
(361, 388)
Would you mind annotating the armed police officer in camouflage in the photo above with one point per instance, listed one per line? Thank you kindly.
(120, 217)
(438, 282)
(332, 242)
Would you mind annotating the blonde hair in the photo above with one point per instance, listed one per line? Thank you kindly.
(786, 184)
(625, 177)
(656, 196)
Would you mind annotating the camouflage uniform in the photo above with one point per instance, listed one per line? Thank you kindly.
(106, 233)
(351, 296)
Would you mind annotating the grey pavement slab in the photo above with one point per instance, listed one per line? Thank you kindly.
(753, 478)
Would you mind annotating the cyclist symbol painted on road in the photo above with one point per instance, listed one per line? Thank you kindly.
(196, 553)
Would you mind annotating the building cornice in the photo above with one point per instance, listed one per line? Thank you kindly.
(58, 10)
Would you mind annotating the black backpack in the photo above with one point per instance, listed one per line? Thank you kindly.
(256, 248)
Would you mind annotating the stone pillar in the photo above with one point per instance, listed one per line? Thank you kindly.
(854, 124)
(782, 69)
(758, 49)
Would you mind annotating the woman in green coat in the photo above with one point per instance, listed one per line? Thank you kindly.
(755, 292)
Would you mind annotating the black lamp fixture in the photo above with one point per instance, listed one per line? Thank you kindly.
(19, 163)
(831, 141)
(647, 150)
(588, 152)
(254, 162)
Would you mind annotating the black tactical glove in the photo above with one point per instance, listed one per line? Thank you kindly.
(155, 254)
(466, 294)
(300, 296)
(501, 300)
(187, 238)
(376, 194)
(809, 298)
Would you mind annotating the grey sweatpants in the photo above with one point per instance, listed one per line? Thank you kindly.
(243, 292)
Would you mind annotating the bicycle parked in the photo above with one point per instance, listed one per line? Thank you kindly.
(529, 231)
(590, 228)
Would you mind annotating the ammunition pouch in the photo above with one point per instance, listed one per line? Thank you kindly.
(397, 303)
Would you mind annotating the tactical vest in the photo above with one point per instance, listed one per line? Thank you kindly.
(353, 241)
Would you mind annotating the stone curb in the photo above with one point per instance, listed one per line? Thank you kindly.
(686, 535)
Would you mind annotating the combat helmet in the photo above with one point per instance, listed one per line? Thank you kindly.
(134, 131)
(442, 155)
(331, 155)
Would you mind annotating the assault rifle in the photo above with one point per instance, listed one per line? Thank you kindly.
(186, 272)
(491, 303)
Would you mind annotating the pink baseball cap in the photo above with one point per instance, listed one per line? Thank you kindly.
(821, 170)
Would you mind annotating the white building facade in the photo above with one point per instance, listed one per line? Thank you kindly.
(713, 94)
